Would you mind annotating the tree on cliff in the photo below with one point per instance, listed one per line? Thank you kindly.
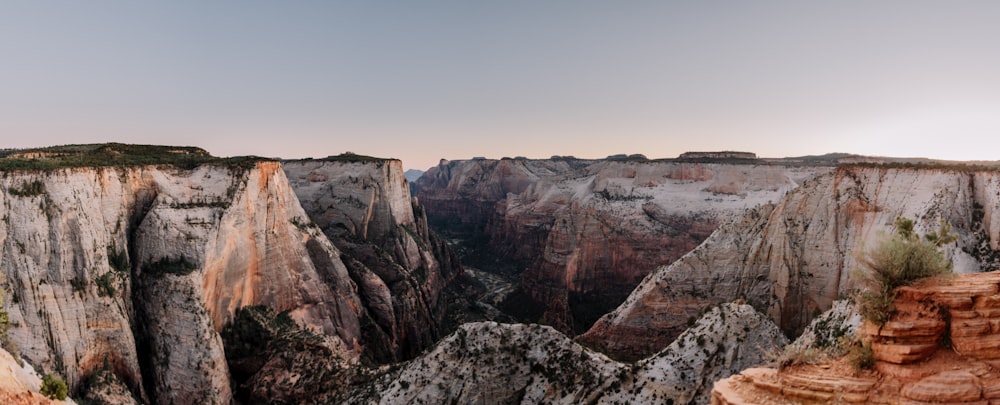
(897, 261)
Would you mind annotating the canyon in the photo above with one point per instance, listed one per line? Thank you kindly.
(148, 274)
(581, 234)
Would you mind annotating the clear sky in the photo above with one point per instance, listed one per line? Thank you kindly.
(424, 80)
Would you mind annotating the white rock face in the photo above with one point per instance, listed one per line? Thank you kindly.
(400, 267)
(793, 259)
(839, 322)
(726, 340)
(529, 364)
(370, 198)
(190, 246)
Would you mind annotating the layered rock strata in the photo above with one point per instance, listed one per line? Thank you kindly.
(913, 363)
(399, 265)
(136, 269)
(794, 258)
(589, 231)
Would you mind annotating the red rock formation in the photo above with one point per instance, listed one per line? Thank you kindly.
(914, 364)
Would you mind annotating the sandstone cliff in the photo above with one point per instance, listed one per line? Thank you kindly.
(793, 259)
(135, 269)
(400, 266)
(940, 347)
(529, 364)
(589, 231)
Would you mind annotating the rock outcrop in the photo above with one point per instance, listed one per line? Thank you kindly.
(718, 155)
(135, 269)
(400, 266)
(911, 363)
(793, 259)
(517, 363)
(589, 231)
(20, 385)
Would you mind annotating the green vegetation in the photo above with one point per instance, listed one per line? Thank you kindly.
(860, 356)
(4, 322)
(34, 188)
(256, 328)
(258, 340)
(794, 355)
(105, 285)
(179, 266)
(115, 155)
(897, 261)
(351, 157)
(932, 165)
(79, 284)
(118, 260)
(54, 387)
(416, 238)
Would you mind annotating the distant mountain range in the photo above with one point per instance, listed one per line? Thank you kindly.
(413, 174)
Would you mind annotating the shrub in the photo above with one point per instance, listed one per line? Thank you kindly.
(118, 260)
(27, 189)
(861, 357)
(793, 355)
(897, 261)
(166, 265)
(54, 387)
(105, 285)
(4, 322)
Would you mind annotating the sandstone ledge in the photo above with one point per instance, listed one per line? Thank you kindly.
(912, 366)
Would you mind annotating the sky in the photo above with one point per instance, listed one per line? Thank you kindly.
(426, 80)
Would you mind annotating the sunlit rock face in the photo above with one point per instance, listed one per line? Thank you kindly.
(793, 259)
(589, 230)
(399, 265)
(137, 269)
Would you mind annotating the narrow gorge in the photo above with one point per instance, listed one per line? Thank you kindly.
(581, 234)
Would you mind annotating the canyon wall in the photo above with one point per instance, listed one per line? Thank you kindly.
(138, 269)
(134, 272)
(792, 259)
(399, 265)
(589, 231)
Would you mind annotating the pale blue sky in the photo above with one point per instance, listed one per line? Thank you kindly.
(423, 80)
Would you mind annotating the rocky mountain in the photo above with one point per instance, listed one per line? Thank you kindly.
(136, 269)
(939, 347)
(792, 259)
(528, 364)
(127, 261)
(588, 231)
(400, 266)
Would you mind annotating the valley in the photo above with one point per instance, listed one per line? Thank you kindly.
(154, 274)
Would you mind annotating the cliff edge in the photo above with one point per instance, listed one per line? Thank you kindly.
(941, 346)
